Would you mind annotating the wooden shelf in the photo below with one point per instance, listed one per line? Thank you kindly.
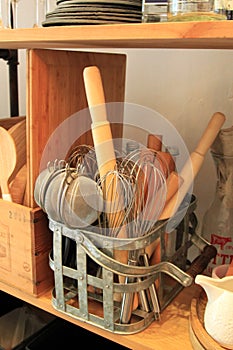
(196, 35)
(171, 333)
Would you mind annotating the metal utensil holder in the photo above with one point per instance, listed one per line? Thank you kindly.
(94, 295)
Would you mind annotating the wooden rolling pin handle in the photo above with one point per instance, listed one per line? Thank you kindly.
(210, 133)
(104, 149)
(95, 93)
(101, 130)
(201, 262)
(174, 181)
(193, 165)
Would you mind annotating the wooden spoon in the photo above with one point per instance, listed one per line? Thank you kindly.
(18, 185)
(18, 133)
(7, 162)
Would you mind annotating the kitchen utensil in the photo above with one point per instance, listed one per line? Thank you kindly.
(190, 170)
(83, 158)
(149, 199)
(68, 195)
(105, 155)
(167, 165)
(18, 185)
(18, 133)
(116, 182)
(8, 160)
(150, 189)
(154, 142)
(193, 165)
(101, 131)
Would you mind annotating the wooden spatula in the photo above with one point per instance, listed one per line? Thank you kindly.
(7, 161)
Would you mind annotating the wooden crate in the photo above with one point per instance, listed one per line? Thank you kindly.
(25, 243)
(56, 92)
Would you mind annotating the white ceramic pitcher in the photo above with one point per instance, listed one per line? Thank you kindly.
(218, 317)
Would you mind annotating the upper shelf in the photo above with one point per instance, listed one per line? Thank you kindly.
(197, 35)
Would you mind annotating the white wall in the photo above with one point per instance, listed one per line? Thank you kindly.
(184, 86)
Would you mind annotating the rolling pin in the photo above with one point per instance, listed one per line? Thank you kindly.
(190, 170)
(193, 165)
(102, 138)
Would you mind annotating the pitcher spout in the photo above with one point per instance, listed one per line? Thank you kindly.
(215, 287)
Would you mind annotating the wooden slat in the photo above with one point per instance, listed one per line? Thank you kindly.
(203, 35)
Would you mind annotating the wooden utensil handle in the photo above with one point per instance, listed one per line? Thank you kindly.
(154, 142)
(95, 94)
(101, 131)
(202, 261)
(102, 138)
(193, 165)
(210, 133)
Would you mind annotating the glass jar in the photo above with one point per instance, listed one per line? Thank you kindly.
(194, 10)
(217, 227)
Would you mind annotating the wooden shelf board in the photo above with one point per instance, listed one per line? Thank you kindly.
(202, 35)
(171, 333)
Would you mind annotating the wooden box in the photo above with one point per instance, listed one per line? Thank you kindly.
(25, 243)
(55, 91)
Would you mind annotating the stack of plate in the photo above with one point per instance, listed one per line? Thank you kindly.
(73, 12)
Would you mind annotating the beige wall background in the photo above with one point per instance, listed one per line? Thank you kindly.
(185, 86)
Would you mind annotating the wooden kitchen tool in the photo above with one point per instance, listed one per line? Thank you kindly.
(8, 160)
(154, 142)
(190, 170)
(18, 185)
(18, 133)
(12, 155)
(102, 137)
(193, 165)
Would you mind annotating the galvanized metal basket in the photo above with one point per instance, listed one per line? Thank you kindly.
(86, 274)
